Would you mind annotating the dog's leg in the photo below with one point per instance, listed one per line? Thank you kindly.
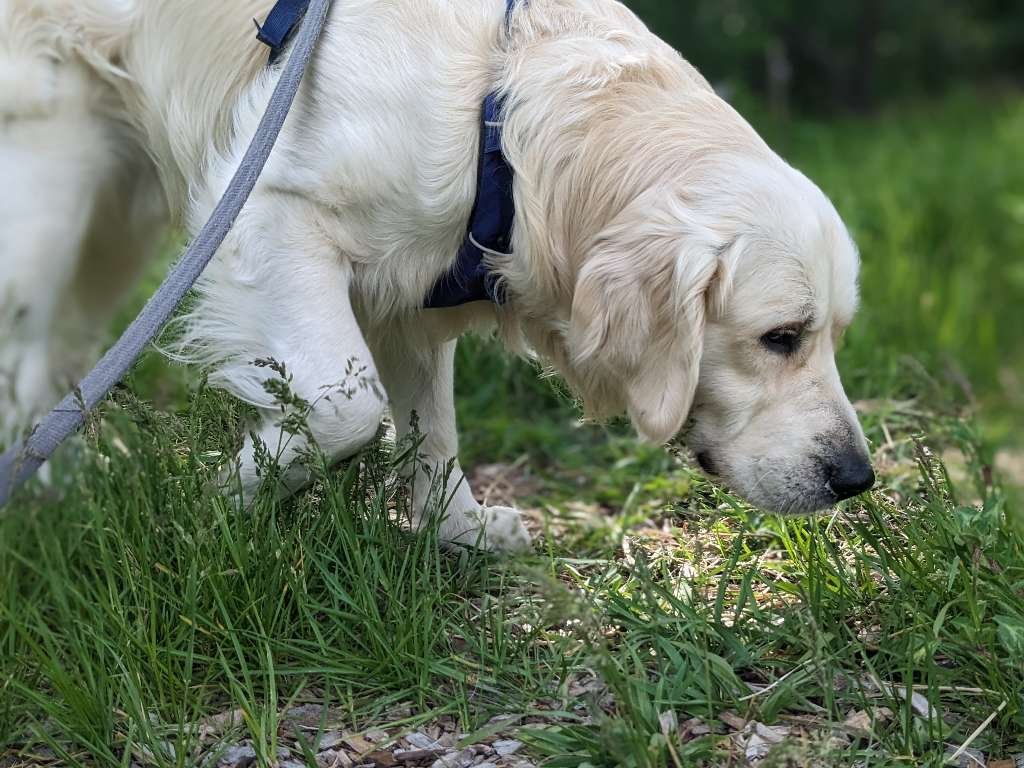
(43, 219)
(279, 293)
(419, 378)
(313, 332)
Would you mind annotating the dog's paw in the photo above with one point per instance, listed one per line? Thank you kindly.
(495, 529)
(245, 475)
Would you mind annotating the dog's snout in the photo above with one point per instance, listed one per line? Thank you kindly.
(851, 475)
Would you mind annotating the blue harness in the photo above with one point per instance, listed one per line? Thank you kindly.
(490, 224)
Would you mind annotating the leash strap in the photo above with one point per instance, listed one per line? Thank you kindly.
(21, 462)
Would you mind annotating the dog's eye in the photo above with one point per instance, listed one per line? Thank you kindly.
(782, 341)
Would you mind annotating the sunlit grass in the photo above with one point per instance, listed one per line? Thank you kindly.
(138, 600)
(658, 613)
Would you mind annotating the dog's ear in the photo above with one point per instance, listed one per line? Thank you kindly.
(637, 327)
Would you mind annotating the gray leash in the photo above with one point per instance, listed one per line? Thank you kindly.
(21, 462)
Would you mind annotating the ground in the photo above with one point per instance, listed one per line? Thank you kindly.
(146, 619)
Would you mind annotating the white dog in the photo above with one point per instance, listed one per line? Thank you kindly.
(664, 260)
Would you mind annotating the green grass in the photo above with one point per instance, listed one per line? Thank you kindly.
(657, 615)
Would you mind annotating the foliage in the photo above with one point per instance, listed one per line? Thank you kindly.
(847, 54)
(137, 600)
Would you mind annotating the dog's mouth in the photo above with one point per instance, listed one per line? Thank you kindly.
(799, 499)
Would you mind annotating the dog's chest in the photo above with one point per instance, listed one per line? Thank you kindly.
(388, 139)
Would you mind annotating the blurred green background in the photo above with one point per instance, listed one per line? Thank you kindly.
(846, 54)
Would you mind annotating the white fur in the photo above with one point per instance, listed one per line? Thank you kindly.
(657, 237)
(80, 206)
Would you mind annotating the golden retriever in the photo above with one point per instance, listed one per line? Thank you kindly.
(665, 261)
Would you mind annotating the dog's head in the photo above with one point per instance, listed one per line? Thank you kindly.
(700, 283)
(769, 414)
(720, 320)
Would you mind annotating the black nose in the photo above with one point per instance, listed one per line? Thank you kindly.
(851, 475)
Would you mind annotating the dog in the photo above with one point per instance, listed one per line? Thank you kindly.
(81, 210)
(664, 261)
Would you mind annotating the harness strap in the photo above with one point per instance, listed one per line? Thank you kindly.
(510, 7)
(280, 25)
(489, 232)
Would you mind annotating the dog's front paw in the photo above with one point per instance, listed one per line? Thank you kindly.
(247, 472)
(495, 529)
